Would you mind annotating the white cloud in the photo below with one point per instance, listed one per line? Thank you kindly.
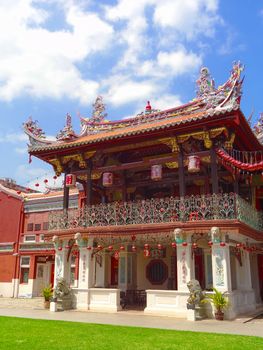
(122, 90)
(188, 17)
(42, 63)
(171, 64)
(13, 138)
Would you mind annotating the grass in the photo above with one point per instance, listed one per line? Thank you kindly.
(28, 334)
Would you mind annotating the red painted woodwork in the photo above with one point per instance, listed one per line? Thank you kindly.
(199, 267)
(114, 271)
(260, 274)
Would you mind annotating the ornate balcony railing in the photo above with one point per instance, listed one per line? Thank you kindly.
(208, 207)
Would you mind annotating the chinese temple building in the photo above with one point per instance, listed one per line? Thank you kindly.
(167, 196)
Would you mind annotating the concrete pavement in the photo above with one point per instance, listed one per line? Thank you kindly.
(242, 326)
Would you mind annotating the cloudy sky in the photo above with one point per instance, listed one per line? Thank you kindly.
(56, 56)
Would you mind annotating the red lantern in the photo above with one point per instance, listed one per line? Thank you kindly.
(99, 247)
(46, 181)
(156, 172)
(239, 245)
(18, 192)
(146, 246)
(54, 177)
(173, 245)
(134, 248)
(107, 179)
(110, 247)
(60, 248)
(159, 246)
(222, 244)
(37, 184)
(193, 164)
(70, 180)
(122, 247)
(89, 247)
(194, 245)
(210, 243)
(184, 244)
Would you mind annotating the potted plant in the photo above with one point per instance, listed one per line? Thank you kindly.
(220, 302)
(47, 293)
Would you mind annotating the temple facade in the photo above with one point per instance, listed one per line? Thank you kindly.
(166, 197)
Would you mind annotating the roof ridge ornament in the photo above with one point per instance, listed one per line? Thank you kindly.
(258, 128)
(226, 96)
(67, 133)
(32, 127)
(99, 107)
(205, 83)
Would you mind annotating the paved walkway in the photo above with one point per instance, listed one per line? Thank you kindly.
(33, 308)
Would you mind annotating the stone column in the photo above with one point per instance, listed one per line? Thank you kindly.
(220, 261)
(184, 260)
(85, 264)
(99, 269)
(62, 263)
(126, 272)
(244, 273)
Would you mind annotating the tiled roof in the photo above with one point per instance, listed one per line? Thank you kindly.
(131, 130)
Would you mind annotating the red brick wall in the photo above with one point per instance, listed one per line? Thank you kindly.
(7, 268)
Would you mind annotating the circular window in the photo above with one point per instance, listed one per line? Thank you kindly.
(157, 272)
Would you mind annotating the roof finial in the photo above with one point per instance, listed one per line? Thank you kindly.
(98, 109)
(205, 83)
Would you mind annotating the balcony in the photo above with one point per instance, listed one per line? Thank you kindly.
(226, 206)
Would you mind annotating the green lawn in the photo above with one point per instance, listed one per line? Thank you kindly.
(19, 333)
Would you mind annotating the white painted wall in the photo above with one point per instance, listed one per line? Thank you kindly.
(6, 289)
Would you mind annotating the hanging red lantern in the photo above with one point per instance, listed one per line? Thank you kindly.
(193, 164)
(70, 180)
(184, 244)
(55, 177)
(110, 247)
(160, 246)
(133, 237)
(37, 184)
(122, 247)
(146, 246)
(46, 181)
(89, 247)
(99, 247)
(173, 244)
(156, 172)
(107, 179)
(59, 248)
(239, 245)
(194, 245)
(222, 244)
(210, 243)
(134, 248)
(18, 192)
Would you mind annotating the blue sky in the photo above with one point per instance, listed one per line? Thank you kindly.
(58, 55)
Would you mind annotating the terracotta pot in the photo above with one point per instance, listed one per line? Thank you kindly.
(46, 304)
(219, 315)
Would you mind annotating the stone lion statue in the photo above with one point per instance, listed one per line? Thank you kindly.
(62, 289)
(196, 294)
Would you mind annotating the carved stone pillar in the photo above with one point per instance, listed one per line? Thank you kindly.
(62, 263)
(184, 260)
(220, 262)
(85, 263)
